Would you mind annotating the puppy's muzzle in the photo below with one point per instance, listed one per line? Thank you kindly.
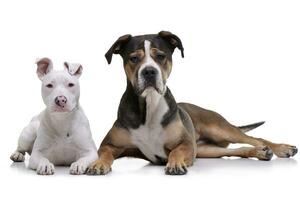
(61, 101)
(149, 75)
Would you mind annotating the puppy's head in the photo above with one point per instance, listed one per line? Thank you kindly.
(60, 89)
(147, 59)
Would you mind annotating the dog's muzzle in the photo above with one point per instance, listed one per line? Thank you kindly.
(60, 101)
(149, 75)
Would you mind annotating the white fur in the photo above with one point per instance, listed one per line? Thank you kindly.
(58, 138)
(148, 61)
(149, 138)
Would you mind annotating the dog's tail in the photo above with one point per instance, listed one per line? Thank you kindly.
(250, 127)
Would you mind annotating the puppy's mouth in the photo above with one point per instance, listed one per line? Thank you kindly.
(60, 109)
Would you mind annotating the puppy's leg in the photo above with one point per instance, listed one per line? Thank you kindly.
(113, 145)
(180, 158)
(41, 164)
(214, 151)
(26, 140)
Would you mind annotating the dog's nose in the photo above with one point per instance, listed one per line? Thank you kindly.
(149, 73)
(60, 101)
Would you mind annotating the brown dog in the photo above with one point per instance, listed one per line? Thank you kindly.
(152, 126)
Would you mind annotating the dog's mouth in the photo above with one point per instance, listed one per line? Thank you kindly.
(60, 109)
(142, 91)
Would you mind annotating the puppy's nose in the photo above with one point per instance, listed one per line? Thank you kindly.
(149, 73)
(60, 101)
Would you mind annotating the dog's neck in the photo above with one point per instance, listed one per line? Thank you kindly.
(60, 122)
(136, 110)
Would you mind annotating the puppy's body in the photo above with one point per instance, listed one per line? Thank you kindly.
(152, 126)
(60, 135)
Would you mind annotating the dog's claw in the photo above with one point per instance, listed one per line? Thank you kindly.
(17, 157)
(98, 168)
(295, 150)
(177, 169)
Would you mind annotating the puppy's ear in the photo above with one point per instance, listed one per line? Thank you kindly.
(75, 69)
(173, 40)
(117, 47)
(44, 66)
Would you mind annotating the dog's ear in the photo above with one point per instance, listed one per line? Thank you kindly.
(173, 40)
(75, 69)
(44, 66)
(117, 47)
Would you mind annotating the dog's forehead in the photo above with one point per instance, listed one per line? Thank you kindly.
(138, 43)
(59, 76)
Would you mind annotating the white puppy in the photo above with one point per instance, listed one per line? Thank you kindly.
(60, 135)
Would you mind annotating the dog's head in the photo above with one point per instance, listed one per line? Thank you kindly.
(60, 89)
(147, 59)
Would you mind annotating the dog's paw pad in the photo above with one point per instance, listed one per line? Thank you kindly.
(78, 168)
(98, 168)
(17, 157)
(176, 169)
(264, 153)
(46, 168)
(285, 150)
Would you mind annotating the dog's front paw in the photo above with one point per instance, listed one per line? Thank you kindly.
(98, 167)
(45, 168)
(17, 156)
(285, 150)
(78, 168)
(176, 168)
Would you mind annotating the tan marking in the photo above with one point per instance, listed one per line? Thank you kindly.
(174, 133)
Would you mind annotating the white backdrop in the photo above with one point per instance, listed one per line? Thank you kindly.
(241, 60)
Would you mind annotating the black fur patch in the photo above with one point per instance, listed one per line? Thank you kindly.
(132, 109)
(171, 114)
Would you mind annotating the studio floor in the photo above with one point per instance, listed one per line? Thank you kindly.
(232, 178)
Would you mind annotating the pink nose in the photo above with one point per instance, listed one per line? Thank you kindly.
(61, 101)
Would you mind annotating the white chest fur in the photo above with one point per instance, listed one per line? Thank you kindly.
(149, 138)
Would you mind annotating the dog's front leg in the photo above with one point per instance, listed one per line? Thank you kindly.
(107, 154)
(181, 157)
(41, 164)
(113, 145)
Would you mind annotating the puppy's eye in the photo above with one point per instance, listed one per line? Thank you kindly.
(49, 85)
(134, 59)
(71, 85)
(160, 56)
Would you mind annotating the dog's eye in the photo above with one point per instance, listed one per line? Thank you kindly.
(160, 56)
(49, 85)
(71, 84)
(134, 59)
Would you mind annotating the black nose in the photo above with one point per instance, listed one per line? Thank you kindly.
(149, 73)
(60, 101)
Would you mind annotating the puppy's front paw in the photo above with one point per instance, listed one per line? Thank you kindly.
(17, 156)
(176, 168)
(98, 167)
(78, 168)
(285, 150)
(45, 168)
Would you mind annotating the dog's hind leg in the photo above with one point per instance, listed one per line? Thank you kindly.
(213, 127)
(26, 141)
(214, 151)
(229, 133)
